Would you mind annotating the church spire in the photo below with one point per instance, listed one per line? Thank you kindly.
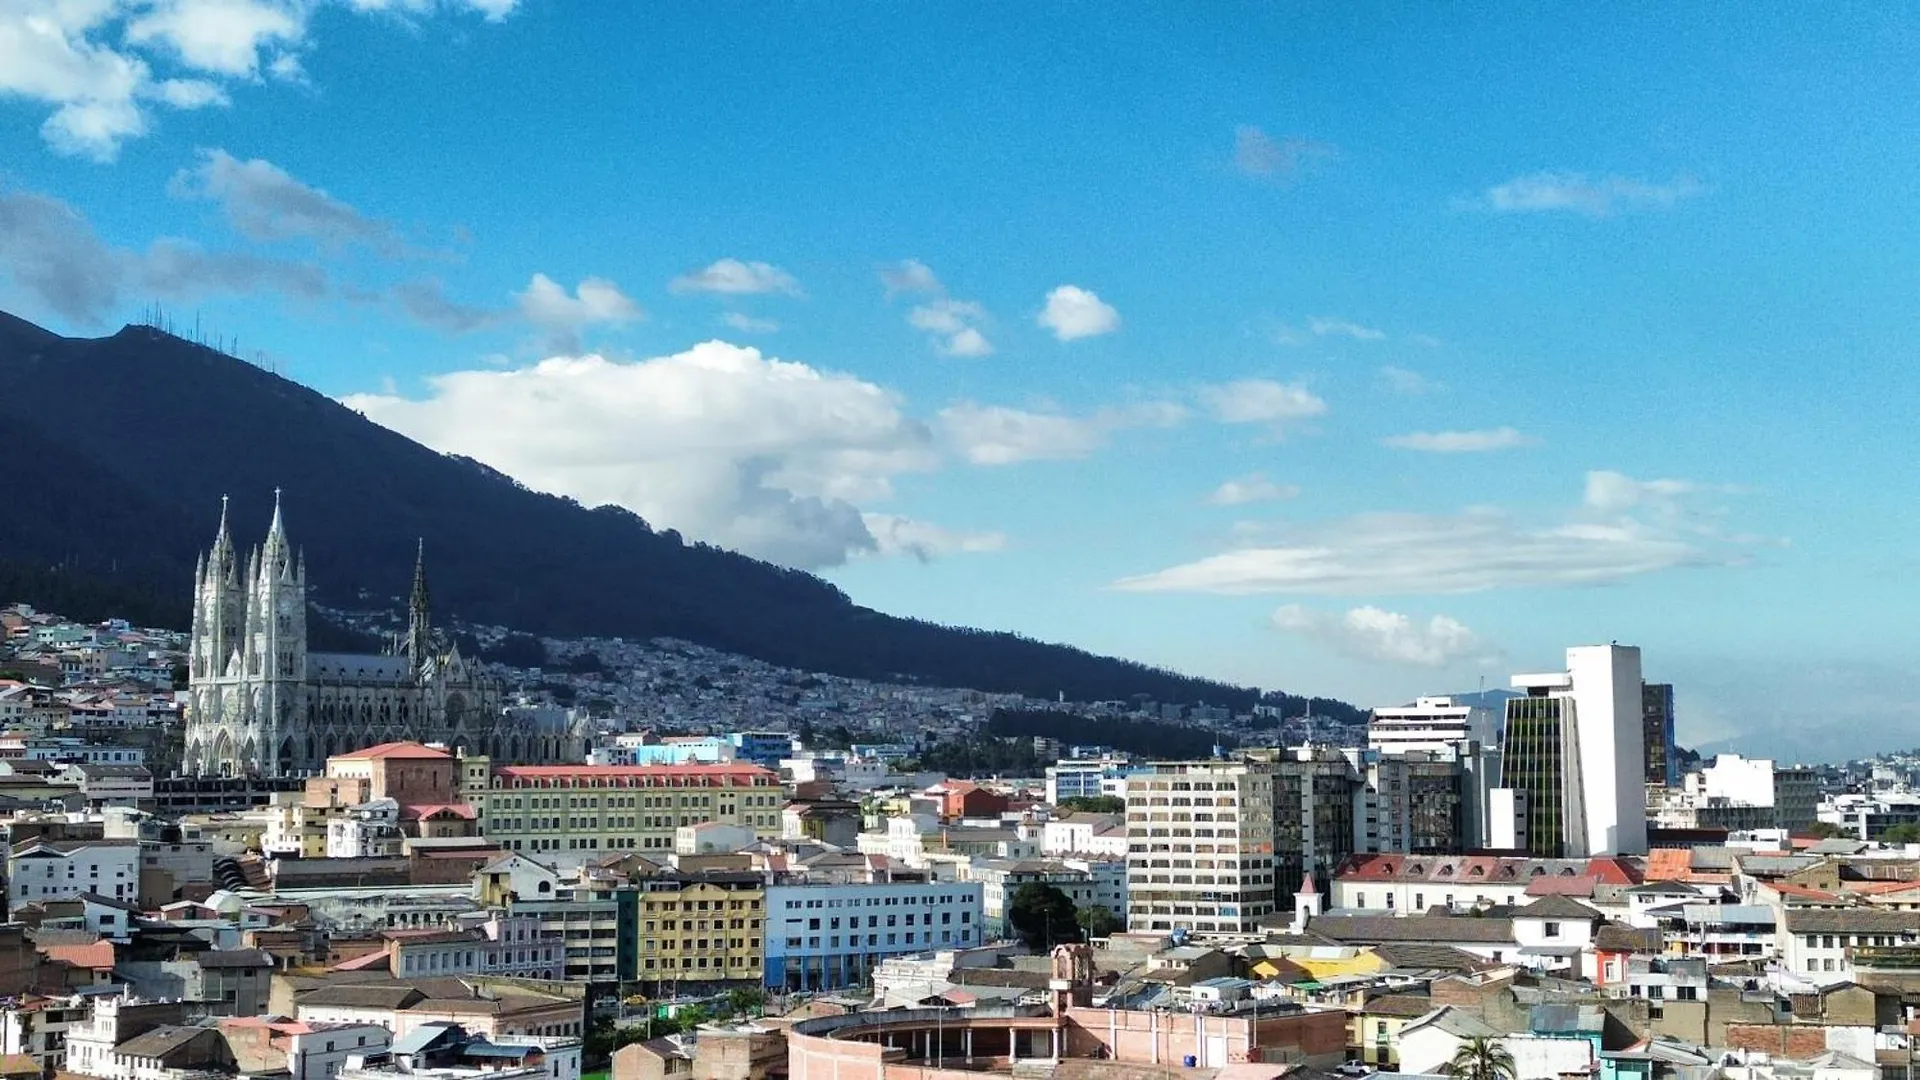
(220, 559)
(418, 612)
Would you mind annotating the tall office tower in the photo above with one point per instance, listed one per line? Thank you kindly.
(1417, 803)
(1316, 793)
(1575, 750)
(1656, 725)
(1200, 846)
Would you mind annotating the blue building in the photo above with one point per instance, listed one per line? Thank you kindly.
(823, 937)
(1656, 716)
(761, 747)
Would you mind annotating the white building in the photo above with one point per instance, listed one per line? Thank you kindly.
(822, 937)
(1574, 745)
(1100, 835)
(712, 838)
(309, 1051)
(370, 830)
(1433, 724)
(61, 870)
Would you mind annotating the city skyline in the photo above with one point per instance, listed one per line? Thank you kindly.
(1362, 358)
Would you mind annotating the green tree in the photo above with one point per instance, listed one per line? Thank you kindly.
(1481, 1058)
(1042, 916)
(1901, 834)
(1093, 804)
(1098, 922)
(1825, 830)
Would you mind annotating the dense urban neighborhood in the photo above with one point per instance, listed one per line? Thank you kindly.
(477, 853)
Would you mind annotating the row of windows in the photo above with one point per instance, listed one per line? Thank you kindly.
(853, 922)
(853, 940)
(874, 901)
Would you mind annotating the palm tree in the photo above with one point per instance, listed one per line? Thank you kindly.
(1480, 1058)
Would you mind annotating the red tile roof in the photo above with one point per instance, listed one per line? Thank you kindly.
(410, 750)
(97, 956)
(646, 775)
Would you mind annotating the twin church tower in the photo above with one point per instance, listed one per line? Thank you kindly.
(259, 703)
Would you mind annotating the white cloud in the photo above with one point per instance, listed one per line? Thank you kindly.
(491, 10)
(220, 37)
(720, 442)
(1325, 326)
(895, 535)
(1610, 492)
(1387, 637)
(1549, 192)
(1251, 488)
(910, 276)
(263, 202)
(1475, 549)
(98, 66)
(1073, 312)
(732, 277)
(1262, 401)
(953, 325)
(595, 302)
(1256, 153)
(748, 324)
(956, 327)
(1407, 382)
(1000, 435)
(1459, 442)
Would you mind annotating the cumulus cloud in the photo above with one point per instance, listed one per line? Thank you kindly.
(1460, 442)
(1258, 154)
(1578, 193)
(100, 66)
(53, 255)
(1251, 488)
(594, 302)
(894, 535)
(263, 202)
(1407, 382)
(1476, 549)
(1073, 312)
(721, 442)
(1000, 435)
(954, 326)
(1262, 401)
(732, 277)
(1386, 637)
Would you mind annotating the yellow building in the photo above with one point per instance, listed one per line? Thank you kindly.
(602, 808)
(698, 930)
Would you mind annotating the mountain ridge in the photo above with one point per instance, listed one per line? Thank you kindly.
(142, 433)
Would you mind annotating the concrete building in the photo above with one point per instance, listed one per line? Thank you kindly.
(576, 813)
(1574, 748)
(1434, 725)
(39, 870)
(700, 932)
(1791, 792)
(821, 937)
(1200, 844)
(1087, 780)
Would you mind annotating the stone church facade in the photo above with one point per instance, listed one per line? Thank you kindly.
(259, 703)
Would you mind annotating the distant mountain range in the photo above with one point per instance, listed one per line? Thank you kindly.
(121, 448)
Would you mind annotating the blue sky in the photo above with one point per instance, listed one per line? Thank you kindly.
(1356, 351)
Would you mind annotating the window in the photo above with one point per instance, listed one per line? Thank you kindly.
(1553, 929)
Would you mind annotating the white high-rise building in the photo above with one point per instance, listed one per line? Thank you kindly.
(1436, 725)
(1575, 747)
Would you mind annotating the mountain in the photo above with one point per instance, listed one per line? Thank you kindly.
(123, 446)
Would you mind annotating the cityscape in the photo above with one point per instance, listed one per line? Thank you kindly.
(948, 541)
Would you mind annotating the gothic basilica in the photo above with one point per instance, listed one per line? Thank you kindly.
(259, 703)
